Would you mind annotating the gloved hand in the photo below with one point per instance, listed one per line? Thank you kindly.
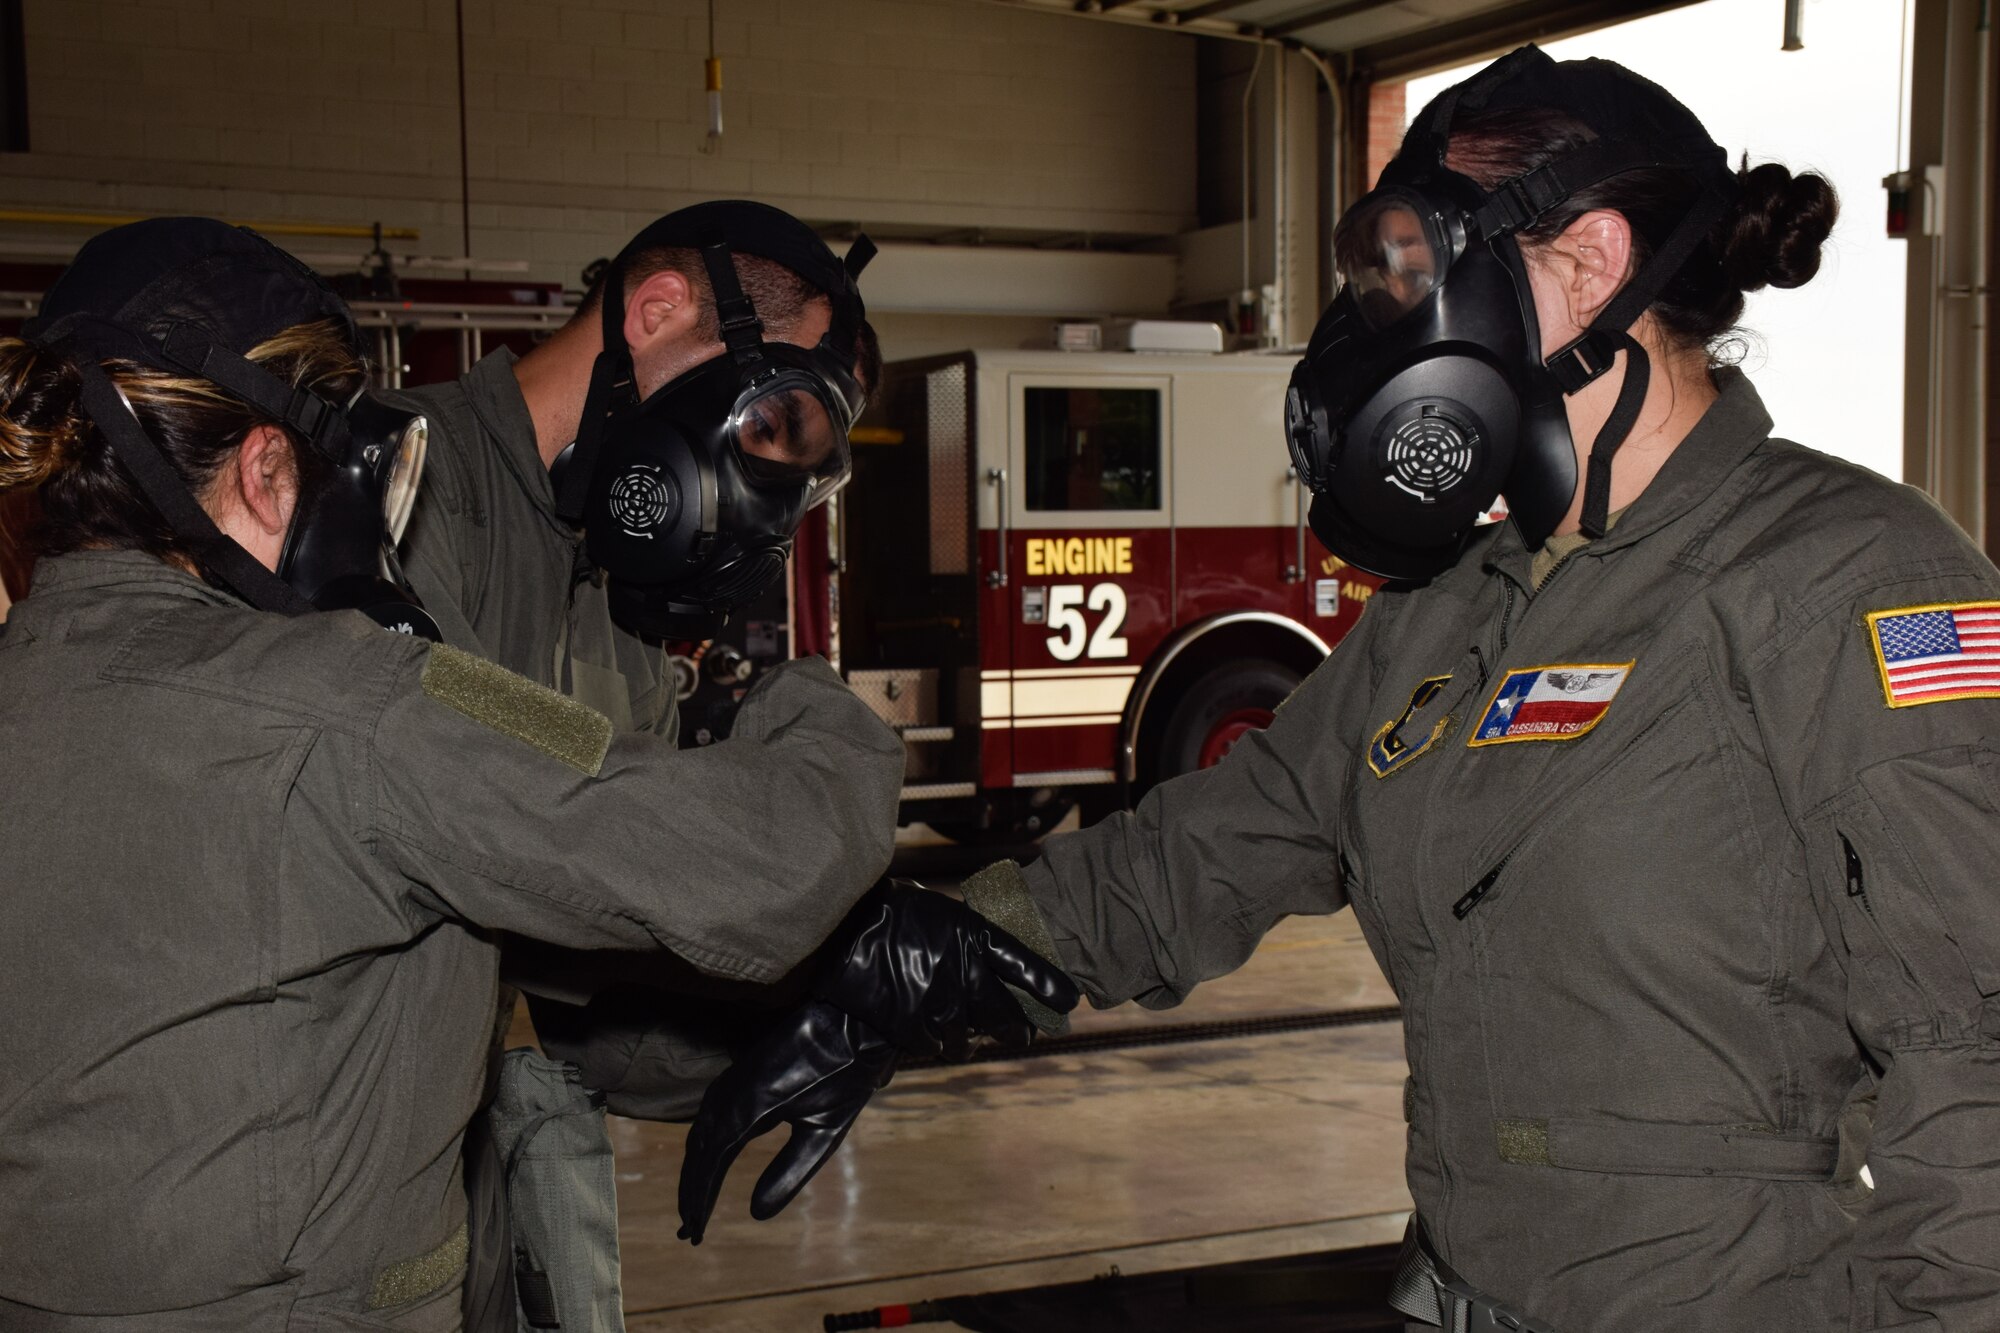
(928, 973)
(913, 971)
(815, 1071)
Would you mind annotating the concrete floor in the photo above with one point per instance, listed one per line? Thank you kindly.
(1005, 1175)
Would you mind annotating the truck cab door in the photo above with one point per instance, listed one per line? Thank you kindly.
(1087, 589)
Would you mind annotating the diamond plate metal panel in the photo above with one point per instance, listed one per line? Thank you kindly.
(949, 436)
(902, 697)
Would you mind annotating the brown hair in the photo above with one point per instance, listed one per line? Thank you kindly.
(780, 295)
(87, 498)
(1771, 236)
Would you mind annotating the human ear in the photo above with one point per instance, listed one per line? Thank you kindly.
(660, 309)
(265, 480)
(1598, 251)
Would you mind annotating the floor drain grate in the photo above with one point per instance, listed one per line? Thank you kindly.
(1168, 1034)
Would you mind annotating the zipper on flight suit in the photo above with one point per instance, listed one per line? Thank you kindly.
(1507, 612)
(1857, 887)
(1473, 895)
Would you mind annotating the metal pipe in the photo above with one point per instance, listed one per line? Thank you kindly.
(464, 146)
(1338, 96)
(60, 217)
(1982, 217)
(1249, 150)
(1336, 188)
(1281, 210)
(1795, 15)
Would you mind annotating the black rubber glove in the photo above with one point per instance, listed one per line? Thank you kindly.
(815, 1072)
(929, 973)
(911, 970)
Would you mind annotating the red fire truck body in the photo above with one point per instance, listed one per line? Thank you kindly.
(1064, 576)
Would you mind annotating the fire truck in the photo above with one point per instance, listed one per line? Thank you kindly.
(1061, 576)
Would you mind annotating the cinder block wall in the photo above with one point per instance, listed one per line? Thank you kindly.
(586, 118)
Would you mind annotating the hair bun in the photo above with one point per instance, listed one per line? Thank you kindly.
(42, 425)
(1777, 228)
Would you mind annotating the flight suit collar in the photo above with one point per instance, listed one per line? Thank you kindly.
(92, 571)
(1732, 428)
(496, 399)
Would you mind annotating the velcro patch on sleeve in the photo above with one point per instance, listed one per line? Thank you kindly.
(999, 894)
(1928, 654)
(495, 697)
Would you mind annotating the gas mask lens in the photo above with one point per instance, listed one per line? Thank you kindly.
(406, 471)
(1386, 258)
(786, 432)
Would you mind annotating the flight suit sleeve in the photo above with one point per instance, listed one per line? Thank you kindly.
(513, 808)
(1884, 734)
(1149, 902)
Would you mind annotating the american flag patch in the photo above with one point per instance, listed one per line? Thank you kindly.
(1928, 654)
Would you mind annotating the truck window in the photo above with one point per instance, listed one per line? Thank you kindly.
(1093, 448)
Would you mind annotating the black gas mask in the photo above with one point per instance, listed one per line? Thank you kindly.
(188, 296)
(689, 499)
(1424, 395)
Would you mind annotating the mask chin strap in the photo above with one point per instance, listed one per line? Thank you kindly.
(1518, 203)
(1582, 361)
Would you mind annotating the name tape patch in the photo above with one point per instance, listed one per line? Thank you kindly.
(1550, 703)
(1927, 654)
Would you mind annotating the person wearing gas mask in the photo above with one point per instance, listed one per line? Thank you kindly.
(259, 849)
(632, 480)
(1668, 806)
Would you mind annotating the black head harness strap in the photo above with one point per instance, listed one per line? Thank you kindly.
(84, 341)
(613, 380)
(1661, 134)
(735, 318)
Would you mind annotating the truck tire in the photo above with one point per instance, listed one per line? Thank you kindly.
(1218, 710)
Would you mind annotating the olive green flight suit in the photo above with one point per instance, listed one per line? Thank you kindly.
(506, 578)
(254, 867)
(503, 574)
(1655, 970)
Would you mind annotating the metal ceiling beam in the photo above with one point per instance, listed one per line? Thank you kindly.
(1312, 18)
(1444, 45)
(1208, 9)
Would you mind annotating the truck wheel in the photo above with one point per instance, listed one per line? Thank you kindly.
(1219, 710)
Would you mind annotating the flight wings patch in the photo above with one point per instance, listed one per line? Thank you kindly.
(1549, 703)
(1390, 749)
(1928, 654)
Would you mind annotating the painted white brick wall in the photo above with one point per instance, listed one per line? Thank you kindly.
(586, 117)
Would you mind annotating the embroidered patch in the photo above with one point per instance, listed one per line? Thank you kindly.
(1550, 703)
(1388, 750)
(1927, 654)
